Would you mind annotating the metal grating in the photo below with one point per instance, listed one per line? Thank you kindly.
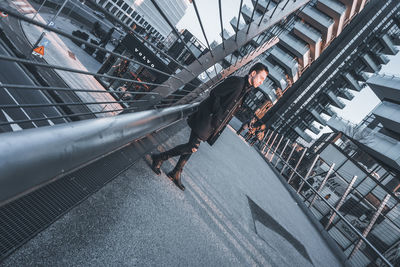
(25, 217)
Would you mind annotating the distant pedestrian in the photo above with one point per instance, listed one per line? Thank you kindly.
(211, 118)
(119, 70)
(251, 129)
(246, 125)
(259, 135)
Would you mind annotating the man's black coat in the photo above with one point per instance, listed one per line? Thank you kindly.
(217, 110)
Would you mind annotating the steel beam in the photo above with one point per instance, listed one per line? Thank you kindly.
(371, 223)
(34, 157)
(206, 61)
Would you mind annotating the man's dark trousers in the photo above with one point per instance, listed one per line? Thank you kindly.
(185, 150)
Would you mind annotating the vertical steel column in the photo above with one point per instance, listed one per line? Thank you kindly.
(322, 184)
(288, 159)
(297, 165)
(266, 143)
(237, 28)
(265, 11)
(222, 25)
(204, 34)
(238, 21)
(231, 45)
(276, 148)
(281, 155)
(371, 223)
(180, 38)
(308, 173)
(34, 16)
(269, 148)
(265, 137)
(252, 15)
(341, 201)
(48, 24)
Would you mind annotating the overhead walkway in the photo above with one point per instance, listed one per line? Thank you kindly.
(235, 211)
(81, 193)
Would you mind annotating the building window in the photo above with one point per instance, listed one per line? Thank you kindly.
(108, 5)
(125, 7)
(138, 18)
(129, 10)
(141, 21)
(120, 3)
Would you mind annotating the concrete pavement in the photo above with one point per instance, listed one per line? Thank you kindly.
(62, 51)
(234, 212)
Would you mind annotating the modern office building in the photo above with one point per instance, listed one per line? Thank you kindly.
(133, 48)
(373, 147)
(184, 50)
(303, 37)
(373, 183)
(145, 14)
(381, 128)
(340, 65)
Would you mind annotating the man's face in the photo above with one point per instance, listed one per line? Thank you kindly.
(257, 78)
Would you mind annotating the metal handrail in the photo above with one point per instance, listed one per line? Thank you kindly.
(334, 210)
(35, 157)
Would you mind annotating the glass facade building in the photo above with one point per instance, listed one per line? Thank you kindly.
(145, 14)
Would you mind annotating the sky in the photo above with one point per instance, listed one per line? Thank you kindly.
(355, 110)
(209, 14)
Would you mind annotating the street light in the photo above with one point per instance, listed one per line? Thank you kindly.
(50, 23)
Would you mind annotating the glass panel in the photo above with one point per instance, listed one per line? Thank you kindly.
(349, 169)
(365, 186)
(332, 155)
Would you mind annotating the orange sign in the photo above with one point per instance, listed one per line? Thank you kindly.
(39, 50)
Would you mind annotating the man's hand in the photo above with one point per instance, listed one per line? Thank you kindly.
(279, 93)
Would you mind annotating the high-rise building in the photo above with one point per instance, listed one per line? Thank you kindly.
(145, 14)
(370, 150)
(303, 37)
(381, 128)
(340, 68)
(373, 183)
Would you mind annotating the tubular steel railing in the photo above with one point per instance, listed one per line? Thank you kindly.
(50, 152)
(59, 103)
(329, 203)
(81, 123)
(132, 100)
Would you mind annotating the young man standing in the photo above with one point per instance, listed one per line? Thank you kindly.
(211, 118)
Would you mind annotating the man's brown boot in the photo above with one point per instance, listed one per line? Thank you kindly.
(175, 176)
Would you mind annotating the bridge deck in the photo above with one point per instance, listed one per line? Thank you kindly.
(234, 212)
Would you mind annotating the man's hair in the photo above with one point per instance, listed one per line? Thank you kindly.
(258, 67)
